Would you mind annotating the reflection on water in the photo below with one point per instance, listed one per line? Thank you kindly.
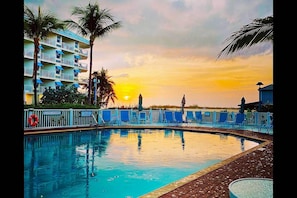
(139, 139)
(169, 133)
(134, 162)
(124, 132)
(182, 140)
(242, 144)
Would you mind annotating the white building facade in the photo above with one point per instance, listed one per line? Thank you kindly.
(60, 61)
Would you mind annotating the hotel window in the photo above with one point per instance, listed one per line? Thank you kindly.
(39, 64)
(76, 45)
(40, 51)
(59, 40)
(59, 53)
(38, 81)
(58, 85)
(58, 69)
(76, 71)
(76, 58)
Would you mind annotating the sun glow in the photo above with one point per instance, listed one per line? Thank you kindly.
(126, 92)
(126, 98)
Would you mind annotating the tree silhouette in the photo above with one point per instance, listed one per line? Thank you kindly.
(92, 22)
(37, 27)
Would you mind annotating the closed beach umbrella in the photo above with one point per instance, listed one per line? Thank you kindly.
(241, 110)
(183, 102)
(140, 103)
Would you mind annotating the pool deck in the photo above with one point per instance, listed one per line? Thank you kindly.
(214, 181)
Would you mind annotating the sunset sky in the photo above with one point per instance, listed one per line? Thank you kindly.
(168, 48)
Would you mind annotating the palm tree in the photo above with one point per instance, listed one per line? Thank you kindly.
(260, 30)
(37, 27)
(93, 22)
(104, 87)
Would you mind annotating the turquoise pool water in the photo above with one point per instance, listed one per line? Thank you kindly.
(120, 163)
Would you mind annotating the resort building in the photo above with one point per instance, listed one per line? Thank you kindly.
(60, 61)
(266, 95)
(265, 102)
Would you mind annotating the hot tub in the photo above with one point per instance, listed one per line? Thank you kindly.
(251, 188)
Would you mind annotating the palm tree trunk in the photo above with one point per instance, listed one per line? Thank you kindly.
(35, 84)
(90, 72)
(36, 51)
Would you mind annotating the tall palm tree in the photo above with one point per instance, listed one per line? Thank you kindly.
(92, 22)
(37, 27)
(105, 87)
(260, 30)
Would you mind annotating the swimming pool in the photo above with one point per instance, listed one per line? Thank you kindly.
(119, 162)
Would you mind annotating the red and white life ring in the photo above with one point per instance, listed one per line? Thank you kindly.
(33, 120)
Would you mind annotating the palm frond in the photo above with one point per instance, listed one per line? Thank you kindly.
(39, 25)
(260, 30)
(92, 21)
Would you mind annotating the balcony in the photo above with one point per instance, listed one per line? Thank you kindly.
(83, 67)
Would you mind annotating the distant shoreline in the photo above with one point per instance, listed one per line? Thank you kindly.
(190, 107)
(176, 107)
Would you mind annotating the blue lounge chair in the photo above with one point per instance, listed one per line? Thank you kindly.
(223, 117)
(124, 116)
(169, 117)
(141, 117)
(239, 119)
(198, 116)
(106, 116)
(266, 124)
(173, 117)
(190, 116)
(178, 115)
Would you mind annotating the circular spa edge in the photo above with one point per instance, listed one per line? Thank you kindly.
(251, 188)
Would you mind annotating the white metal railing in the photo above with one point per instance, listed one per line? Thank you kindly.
(28, 71)
(67, 76)
(68, 46)
(54, 118)
(48, 57)
(67, 61)
(47, 74)
(83, 52)
(83, 66)
(28, 54)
